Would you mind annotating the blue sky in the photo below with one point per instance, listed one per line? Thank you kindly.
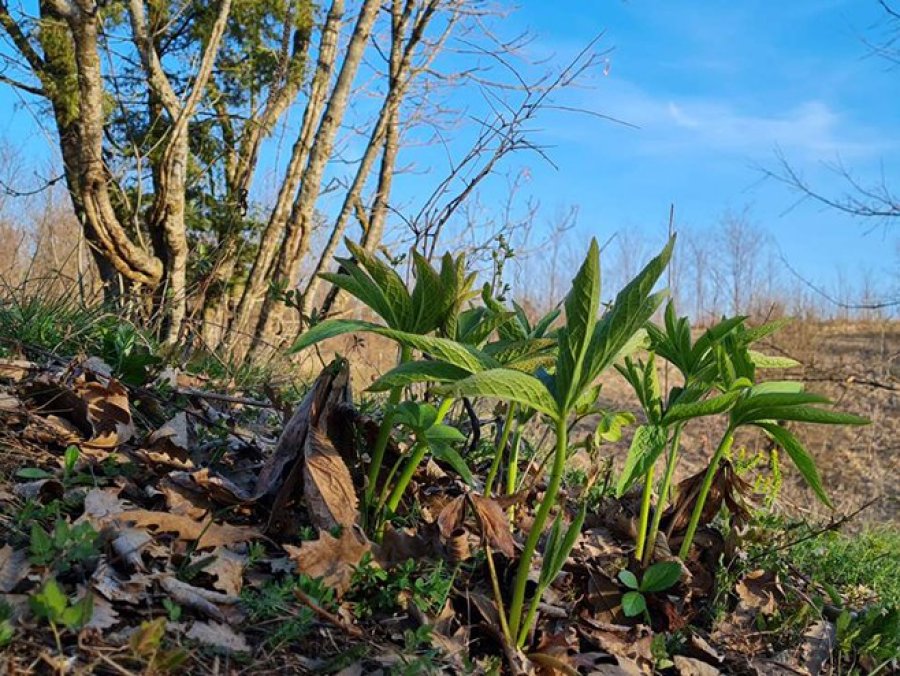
(715, 88)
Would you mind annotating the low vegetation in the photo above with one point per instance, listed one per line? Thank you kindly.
(165, 512)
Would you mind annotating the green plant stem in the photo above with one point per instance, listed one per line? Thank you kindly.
(501, 448)
(415, 459)
(384, 433)
(723, 448)
(645, 514)
(663, 495)
(540, 518)
(512, 476)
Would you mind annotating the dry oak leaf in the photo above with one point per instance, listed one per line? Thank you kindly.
(207, 533)
(108, 412)
(227, 567)
(14, 567)
(168, 445)
(330, 558)
(690, 666)
(327, 484)
(494, 524)
(107, 582)
(219, 636)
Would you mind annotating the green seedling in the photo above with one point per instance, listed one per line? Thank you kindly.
(65, 546)
(425, 423)
(658, 577)
(432, 305)
(52, 605)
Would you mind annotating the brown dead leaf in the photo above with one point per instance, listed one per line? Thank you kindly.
(168, 445)
(108, 412)
(219, 636)
(688, 666)
(14, 370)
(103, 615)
(107, 582)
(327, 485)
(14, 567)
(330, 558)
(227, 567)
(129, 543)
(629, 644)
(207, 533)
(451, 517)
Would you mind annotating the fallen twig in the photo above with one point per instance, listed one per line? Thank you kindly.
(329, 617)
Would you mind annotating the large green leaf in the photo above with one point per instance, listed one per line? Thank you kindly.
(355, 282)
(647, 445)
(446, 453)
(430, 300)
(330, 328)
(418, 372)
(391, 284)
(800, 457)
(634, 305)
(661, 576)
(806, 414)
(582, 304)
(766, 361)
(444, 349)
(504, 384)
(711, 406)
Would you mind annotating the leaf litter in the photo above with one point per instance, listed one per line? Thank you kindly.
(189, 531)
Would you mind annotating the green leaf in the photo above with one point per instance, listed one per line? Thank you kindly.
(78, 614)
(444, 433)
(418, 372)
(430, 300)
(628, 578)
(765, 361)
(647, 445)
(388, 282)
(582, 304)
(777, 387)
(806, 414)
(33, 473)
(711, 406)
(50, 602)
(633, 603)
(661, 576)
(800, 457)
(444, 349)
(419, 417)
(633, 306)
(504, 384)
(446, 453)
(330, 328)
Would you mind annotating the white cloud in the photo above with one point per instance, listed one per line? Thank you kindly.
(811, 130)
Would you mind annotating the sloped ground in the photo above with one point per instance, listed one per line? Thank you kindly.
(164, 528)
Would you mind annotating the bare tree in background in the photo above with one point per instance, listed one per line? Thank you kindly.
(162, 112)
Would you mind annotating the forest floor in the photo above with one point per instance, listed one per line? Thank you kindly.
(177, 519)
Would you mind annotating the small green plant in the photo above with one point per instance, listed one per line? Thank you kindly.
(52, 605)
(7, 631)
(276, 601)
(432, 305)
(65, 546)
(146, 645)
(658, 577)
(425, 423)
(375, 591)
(173, 610)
